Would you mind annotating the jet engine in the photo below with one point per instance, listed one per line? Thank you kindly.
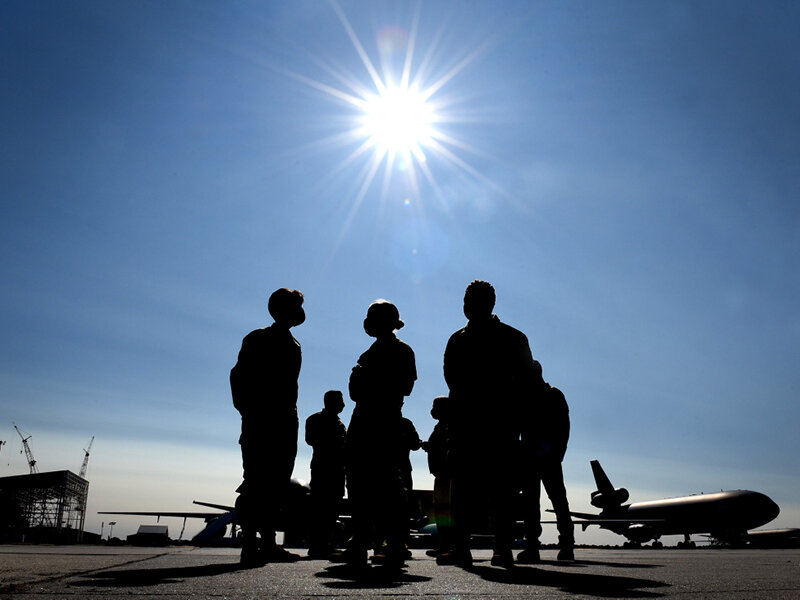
(609, 499)
(640, 533)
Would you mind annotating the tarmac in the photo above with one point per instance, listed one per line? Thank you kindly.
(99, 572)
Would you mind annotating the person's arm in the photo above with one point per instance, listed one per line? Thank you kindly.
(311, 433)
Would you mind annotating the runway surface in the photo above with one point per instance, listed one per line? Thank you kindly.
(110, 572)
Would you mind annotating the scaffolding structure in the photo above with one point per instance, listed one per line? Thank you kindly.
(43, 507)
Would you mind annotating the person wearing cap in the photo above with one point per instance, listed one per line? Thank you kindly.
(488, 367)
(325, 433)
(264, 391)
(379, 382)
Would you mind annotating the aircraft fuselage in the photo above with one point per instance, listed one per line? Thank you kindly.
(722, 514)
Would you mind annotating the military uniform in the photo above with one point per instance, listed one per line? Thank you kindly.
(326, 434)
(545, 435)
(383, 376)
(488, 367)
(264, 390)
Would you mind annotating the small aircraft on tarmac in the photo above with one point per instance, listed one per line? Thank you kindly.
(291, 520)
(726, 516)
(216, 522)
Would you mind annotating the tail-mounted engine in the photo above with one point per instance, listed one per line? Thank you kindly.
(609, 499)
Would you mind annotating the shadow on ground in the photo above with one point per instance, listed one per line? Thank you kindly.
(595, 563)
(370, 577)
(148, 577)
(601, 586)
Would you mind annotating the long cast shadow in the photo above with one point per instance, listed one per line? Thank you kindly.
(149, 577)
(602, 586)
(371, 577)
(595, 563)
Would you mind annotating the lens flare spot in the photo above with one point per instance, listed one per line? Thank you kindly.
(420, 248)
(392, 40)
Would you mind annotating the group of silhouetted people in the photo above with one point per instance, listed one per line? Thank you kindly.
(501, 430)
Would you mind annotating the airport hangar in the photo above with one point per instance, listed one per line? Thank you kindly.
(43, 507)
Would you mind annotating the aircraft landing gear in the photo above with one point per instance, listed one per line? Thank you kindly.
(631, 545)
(686, 543)
(657, 544)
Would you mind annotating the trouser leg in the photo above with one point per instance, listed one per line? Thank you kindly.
(442, 511)
(361, 518)
(324, 501)
(394, 522)
(553, 480)
(262, 495)
(501, 502)
(531, 497)
(464, 501)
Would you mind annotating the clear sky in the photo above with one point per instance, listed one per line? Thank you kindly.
(627, 175)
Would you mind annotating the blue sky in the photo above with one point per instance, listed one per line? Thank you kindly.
(625, 173)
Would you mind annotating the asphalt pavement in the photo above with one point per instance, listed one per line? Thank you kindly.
(100, 572)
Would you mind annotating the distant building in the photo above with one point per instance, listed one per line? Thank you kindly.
(43, 507)
(150, 535)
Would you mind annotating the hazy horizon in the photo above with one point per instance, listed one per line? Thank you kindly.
(624, 173)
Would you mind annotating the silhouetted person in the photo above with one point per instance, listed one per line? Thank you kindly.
(383, 376)
(438, 449)
(545, 434)
(264, 390)
(411, 443)
(325, 433)
(488, 368)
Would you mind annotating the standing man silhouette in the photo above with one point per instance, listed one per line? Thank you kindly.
(326, 434)
(264, 391)
(488, 367)
(545, 433)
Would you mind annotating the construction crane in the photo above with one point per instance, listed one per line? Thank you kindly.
(28, 453)
(86, 458)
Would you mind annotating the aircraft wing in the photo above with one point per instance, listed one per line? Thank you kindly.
(165, 513)
(172, 513)
(590, 519)
(217, 506)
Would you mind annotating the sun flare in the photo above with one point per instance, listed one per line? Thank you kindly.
(399, 120)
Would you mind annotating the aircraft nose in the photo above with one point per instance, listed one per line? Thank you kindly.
(767, 509)
(772, 509)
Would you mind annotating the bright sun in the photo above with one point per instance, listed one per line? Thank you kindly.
(399, 120)
(398, 112)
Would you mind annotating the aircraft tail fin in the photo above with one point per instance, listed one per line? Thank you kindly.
(600, 478)
(606, 497)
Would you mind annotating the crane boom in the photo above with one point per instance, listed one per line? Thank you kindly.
(28, 454)
(86, 459)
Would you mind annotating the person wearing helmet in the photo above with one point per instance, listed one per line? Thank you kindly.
(379, 382)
